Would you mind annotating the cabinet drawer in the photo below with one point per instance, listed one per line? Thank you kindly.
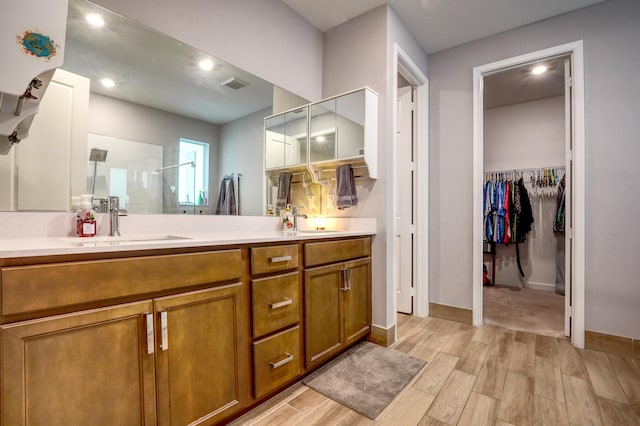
(336, 251)
(40, 287)
(276, 360)
(273, 259)
(275, 302)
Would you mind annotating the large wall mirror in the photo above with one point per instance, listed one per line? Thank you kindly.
(167, 126)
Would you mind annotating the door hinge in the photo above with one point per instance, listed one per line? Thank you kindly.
(570, 81)
(413, 106)
(412, 229)
(412, 291)
(412, 166)
(570, 309)
(570, 154)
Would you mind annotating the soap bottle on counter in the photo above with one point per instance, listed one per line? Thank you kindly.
(287, 219)
(86, 218)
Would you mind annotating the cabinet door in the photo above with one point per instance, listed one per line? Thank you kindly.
(87, 368)
(202, 355)
(357, 300)
(322, 313)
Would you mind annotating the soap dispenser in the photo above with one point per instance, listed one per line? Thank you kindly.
(287, 219)
(86, 217)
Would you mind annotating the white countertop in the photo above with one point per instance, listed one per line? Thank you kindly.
(162, 232)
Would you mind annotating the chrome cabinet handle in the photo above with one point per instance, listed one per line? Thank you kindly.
(285, 302)
(149, 322)
(288, 358)
(164, 344)
(280, 259)
(343, 287)
(348, 283)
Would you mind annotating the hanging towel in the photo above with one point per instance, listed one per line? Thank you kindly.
(230, 199)
(346, 187)
(221, 197)
(284, 189)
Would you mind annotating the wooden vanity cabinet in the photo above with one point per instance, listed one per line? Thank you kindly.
(177, 359)
(277, 314)
(201, 356)
(337, 297)
(90, 367)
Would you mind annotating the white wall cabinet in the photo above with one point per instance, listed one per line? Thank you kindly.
(340, 129)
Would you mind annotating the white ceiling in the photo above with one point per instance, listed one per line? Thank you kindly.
(154, 70)
(441, 24)
(518, 85)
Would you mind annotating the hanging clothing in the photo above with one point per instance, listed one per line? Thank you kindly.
(524, 219)
(558, 222)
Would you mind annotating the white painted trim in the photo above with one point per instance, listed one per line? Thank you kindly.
(404, 64)
(579, 194)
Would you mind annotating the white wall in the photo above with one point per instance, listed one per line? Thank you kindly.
(527, 135)
(263, 37)
(241, 151)
(360, 53)
(610, 32)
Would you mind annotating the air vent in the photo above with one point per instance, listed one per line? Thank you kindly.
(234, 83)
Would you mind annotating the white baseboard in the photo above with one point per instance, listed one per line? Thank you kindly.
(540, 286)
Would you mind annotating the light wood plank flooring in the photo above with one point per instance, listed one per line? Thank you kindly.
(535, 311)
(483, 376)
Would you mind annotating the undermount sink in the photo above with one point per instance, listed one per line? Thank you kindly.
(115, 241)
(316, 231)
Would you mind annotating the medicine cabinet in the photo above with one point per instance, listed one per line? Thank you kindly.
(323, 134)
(286, 139)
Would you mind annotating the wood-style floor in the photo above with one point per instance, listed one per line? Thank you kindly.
(525, 309)
(483, 376)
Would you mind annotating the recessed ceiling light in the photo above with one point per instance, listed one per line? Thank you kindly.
(95, 20)
(206, 64)
(107, 82)
(320, 138)
(540, 69)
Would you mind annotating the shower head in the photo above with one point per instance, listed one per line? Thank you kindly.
(97, 154)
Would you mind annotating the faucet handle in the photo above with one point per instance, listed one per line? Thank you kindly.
(114, 202)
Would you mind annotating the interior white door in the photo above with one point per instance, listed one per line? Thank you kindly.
(55, 151)
(405, 167)
(568, 237)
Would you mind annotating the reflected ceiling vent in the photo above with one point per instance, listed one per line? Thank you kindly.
(234, 83)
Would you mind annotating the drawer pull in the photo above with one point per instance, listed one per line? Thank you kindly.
(280, 259)
(285, 302)
(288, 358)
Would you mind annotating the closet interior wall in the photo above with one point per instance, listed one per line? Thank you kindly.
(528, 136)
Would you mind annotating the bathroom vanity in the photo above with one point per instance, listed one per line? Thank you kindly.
(176, 330)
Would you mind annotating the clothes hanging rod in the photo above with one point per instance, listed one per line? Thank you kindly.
(193, 164)
(529, 169)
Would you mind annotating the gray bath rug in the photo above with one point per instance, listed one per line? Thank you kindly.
(366, 378)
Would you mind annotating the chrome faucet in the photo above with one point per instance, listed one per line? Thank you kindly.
(114, 215)
(294, 213)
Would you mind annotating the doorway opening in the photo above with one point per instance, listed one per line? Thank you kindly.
(534, 260)
(409, 186)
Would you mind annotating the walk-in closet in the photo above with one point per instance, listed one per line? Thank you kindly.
(524, 187)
